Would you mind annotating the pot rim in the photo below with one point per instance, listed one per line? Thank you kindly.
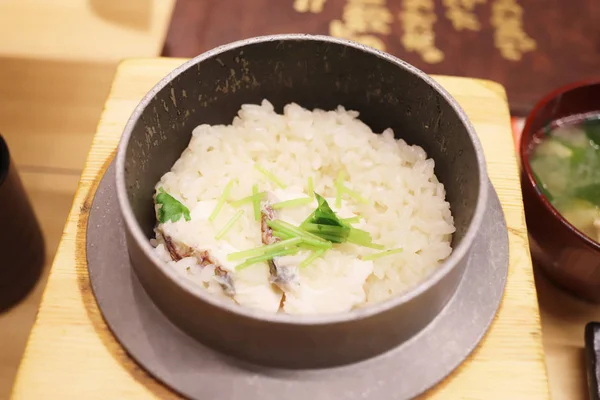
(524, 152)
(458, 253)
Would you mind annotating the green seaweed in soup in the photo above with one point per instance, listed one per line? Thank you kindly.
(566, 165)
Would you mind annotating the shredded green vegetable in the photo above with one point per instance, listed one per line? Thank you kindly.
(363, 238)
(318, 243)
(359, 234)
(334, 233)
(263, 250)
(229, 225)
(270, 176)
(342, 189)
(287, 228)
(371, 245)
(221, 201)
(351, 220)
(339, 187)
(333, 238)
(324, 223)
(307, 242)
(355, 195)
(292, 203)
(255, 202)
(375, 256)
(318, 232)
(267, 257)
(248, 199)
(310, 259)
(282, 235)
(311, 189)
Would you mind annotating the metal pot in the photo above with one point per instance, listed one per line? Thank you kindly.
(315, 72)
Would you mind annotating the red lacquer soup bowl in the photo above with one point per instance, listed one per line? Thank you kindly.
(570, 258)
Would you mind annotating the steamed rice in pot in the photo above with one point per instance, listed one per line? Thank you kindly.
(277, 162)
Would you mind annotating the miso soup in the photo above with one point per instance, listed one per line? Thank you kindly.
(565, 160)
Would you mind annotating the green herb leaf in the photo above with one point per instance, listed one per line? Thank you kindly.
(324, 214)
(335, 234)
(542, 187)
(592, 130)
(578, 156)
(324, 223)
(589, 193)
(170, 208)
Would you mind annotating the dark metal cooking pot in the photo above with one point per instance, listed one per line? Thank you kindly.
(315, 72)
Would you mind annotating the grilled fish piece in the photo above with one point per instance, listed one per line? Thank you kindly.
(283, 276)
(179, 250)
(221, 275)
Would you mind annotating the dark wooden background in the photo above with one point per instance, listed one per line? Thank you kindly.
(566, 34)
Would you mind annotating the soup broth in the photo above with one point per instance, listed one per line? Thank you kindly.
(565, 160)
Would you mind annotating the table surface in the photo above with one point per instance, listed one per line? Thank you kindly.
(86, 31)
(72, 354)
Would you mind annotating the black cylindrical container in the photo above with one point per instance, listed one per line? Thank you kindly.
(21, 240)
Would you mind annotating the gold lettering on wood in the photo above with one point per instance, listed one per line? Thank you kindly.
(509, 37)
(460, 13)
(365, 21)
(313, 6)
(418, 18)
(361, 21)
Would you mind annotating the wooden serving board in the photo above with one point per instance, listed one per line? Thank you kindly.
(71, 354)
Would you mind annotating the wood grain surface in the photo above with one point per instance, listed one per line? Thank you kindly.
(104, 31)
(522, 44)
(71, 354)
(563, 322)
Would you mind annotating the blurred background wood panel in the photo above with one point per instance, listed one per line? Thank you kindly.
(57, 61)
(48, 109)
(90, 30)
(523, 44)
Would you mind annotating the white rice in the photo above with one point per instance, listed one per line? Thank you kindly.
(406, 208)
